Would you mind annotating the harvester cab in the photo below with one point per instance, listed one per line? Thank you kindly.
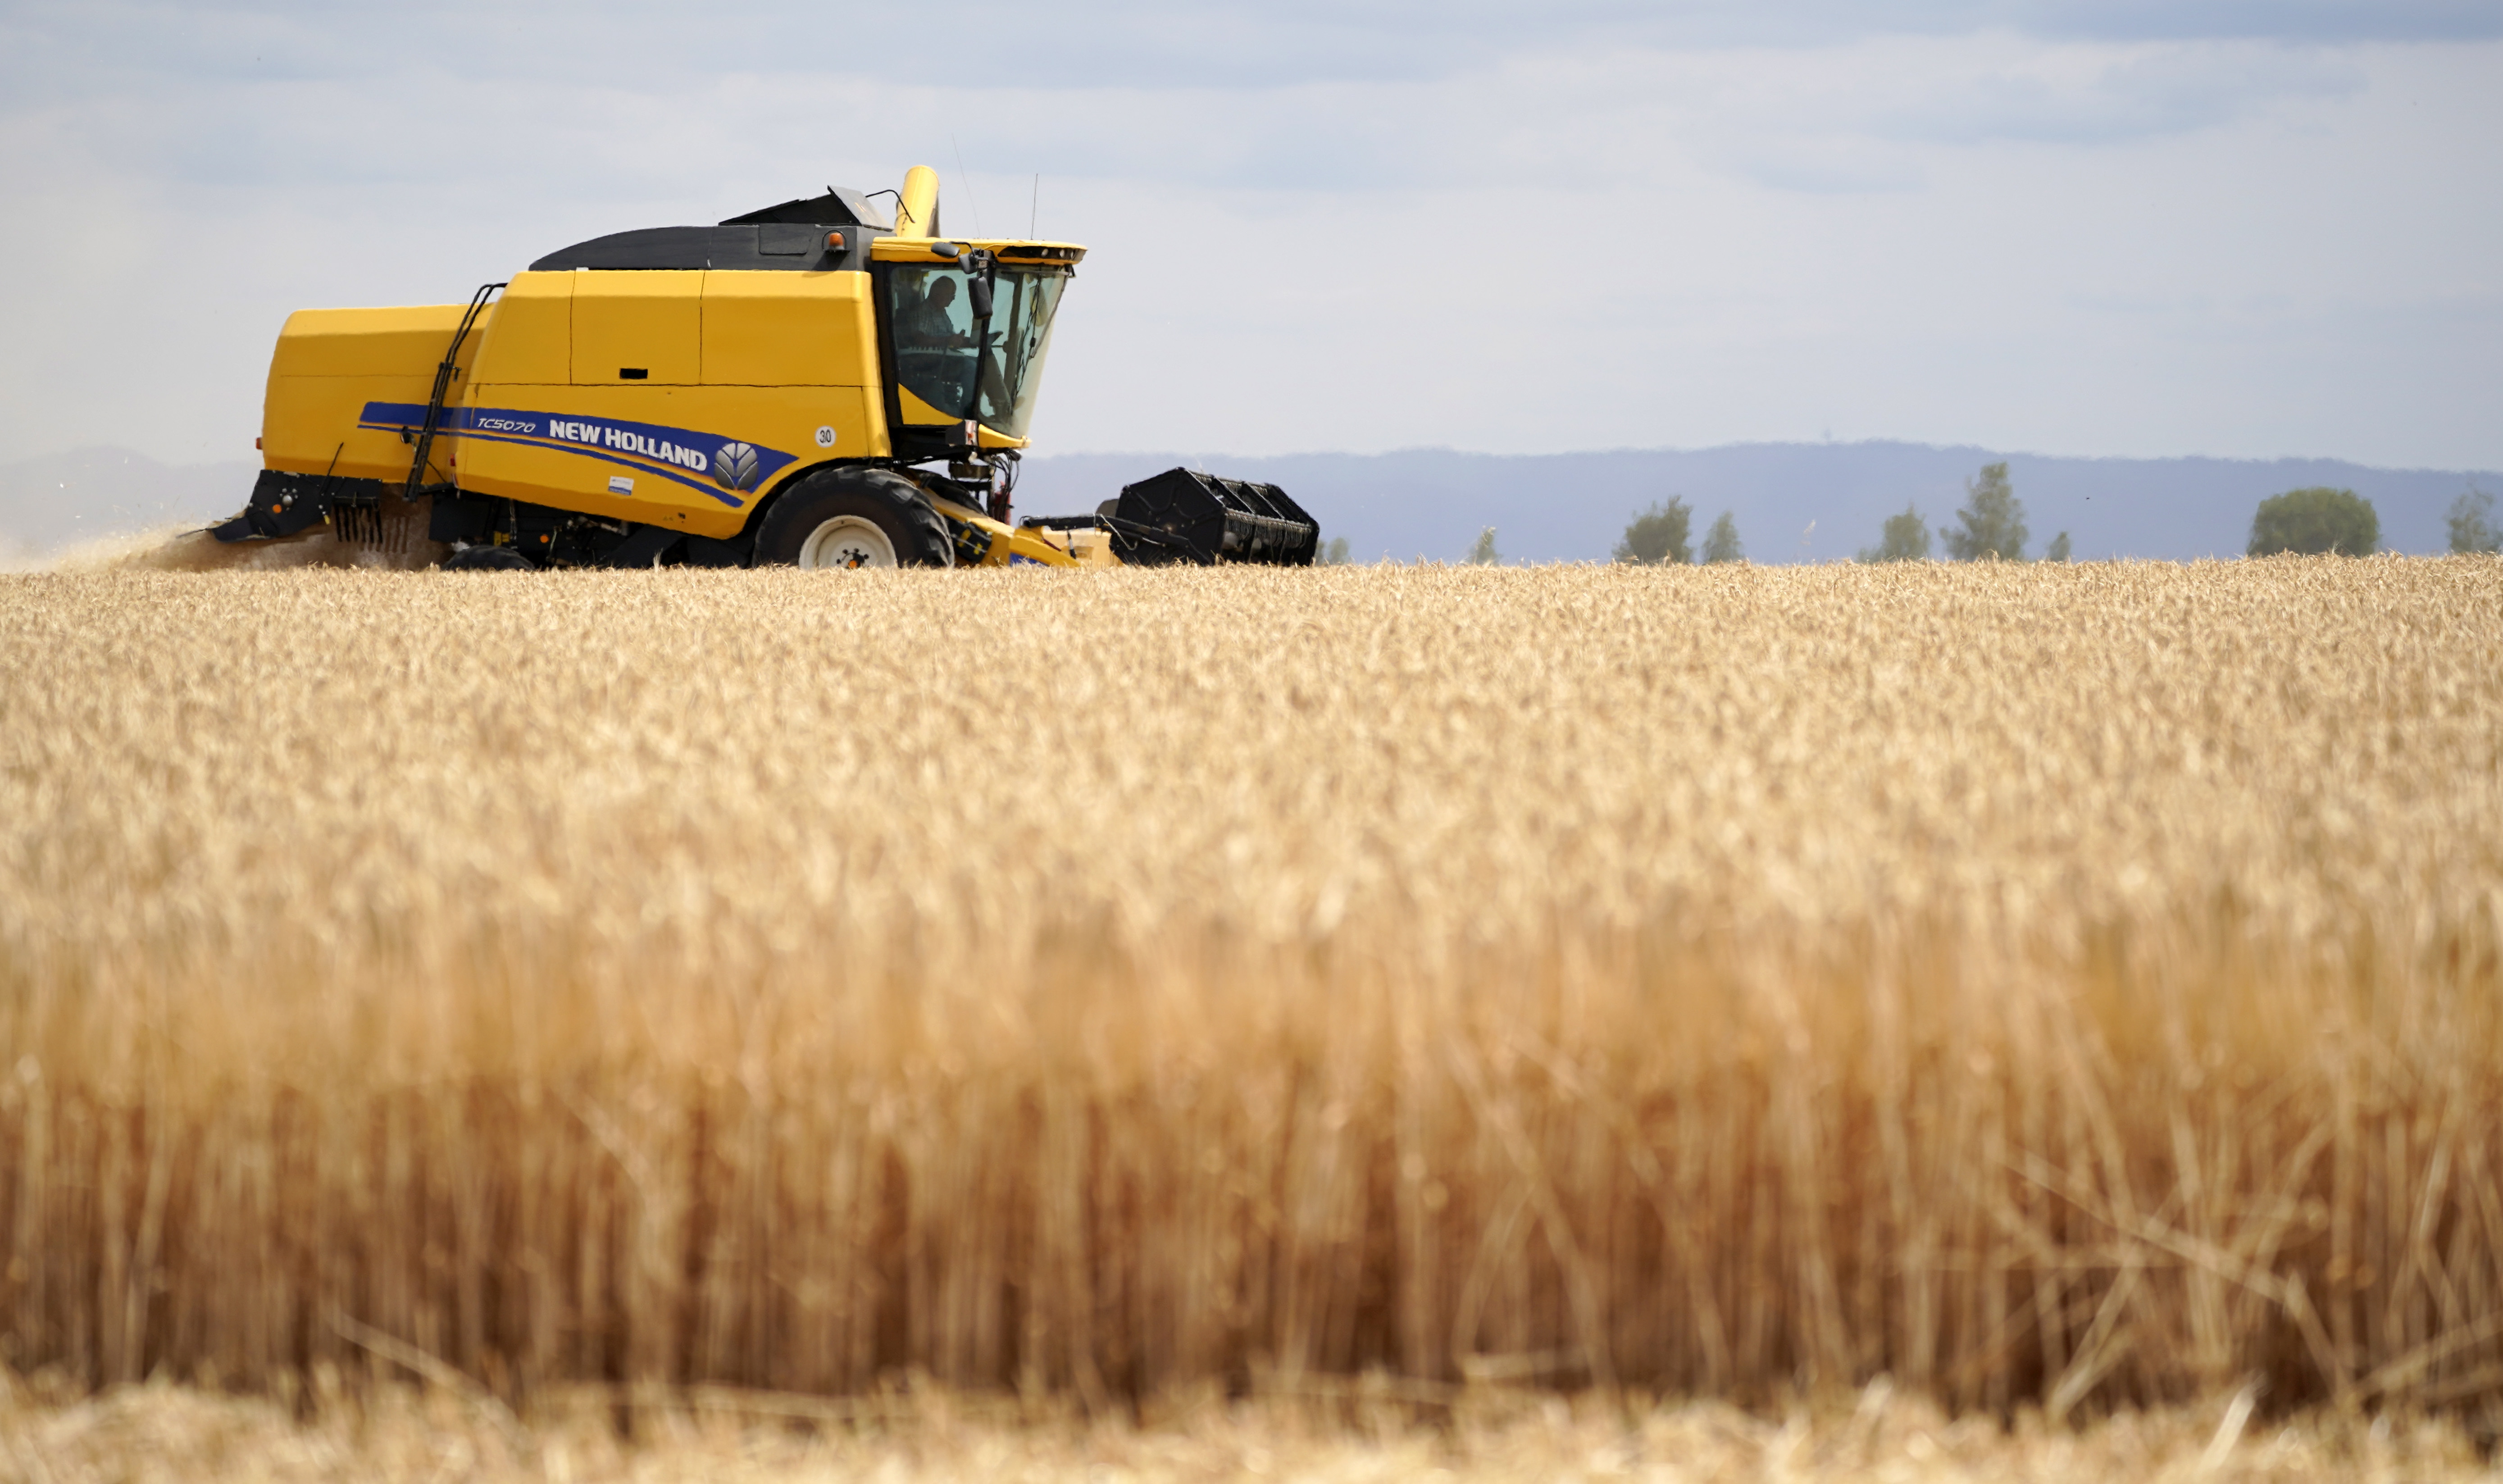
(822, 383)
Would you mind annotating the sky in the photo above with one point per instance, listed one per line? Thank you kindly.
(2121, 228)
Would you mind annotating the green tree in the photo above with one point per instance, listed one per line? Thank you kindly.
(2315, 522)
(1993, 519)
(1334, 552)
(2058, 550)
(1659, 534)
(2472, 523)
(1721, 543)
(1483, 553)
(1905, 538)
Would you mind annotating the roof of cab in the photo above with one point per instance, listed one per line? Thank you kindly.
(794, 236)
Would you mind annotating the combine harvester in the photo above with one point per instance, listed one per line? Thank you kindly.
(808, 385)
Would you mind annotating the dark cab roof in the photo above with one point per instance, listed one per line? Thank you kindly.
(792, 236)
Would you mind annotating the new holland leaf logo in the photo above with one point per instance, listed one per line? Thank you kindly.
(735, 466)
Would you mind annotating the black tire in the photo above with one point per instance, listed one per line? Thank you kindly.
(488, 558)
(807, 522)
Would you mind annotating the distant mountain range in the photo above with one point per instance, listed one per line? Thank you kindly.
(1792, 501)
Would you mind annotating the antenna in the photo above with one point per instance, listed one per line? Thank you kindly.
(968, 179)
(1033, 206)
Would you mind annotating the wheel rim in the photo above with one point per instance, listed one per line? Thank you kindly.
(848, 541)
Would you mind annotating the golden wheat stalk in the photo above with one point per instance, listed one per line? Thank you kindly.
(2068, 986)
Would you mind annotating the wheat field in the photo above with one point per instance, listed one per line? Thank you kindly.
(384, 1434)
(2054, 991)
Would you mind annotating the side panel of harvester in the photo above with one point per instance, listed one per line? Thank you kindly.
(331, 363)
(672, 399)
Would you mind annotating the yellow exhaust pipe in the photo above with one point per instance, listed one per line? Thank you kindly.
(916, 210)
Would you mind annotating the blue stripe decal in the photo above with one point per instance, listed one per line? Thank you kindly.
(678, 454)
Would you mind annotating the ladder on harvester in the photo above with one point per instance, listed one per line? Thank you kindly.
(360, 517)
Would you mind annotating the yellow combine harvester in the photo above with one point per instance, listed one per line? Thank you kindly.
(810, 385)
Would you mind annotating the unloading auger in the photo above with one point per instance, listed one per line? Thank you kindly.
(812, 385)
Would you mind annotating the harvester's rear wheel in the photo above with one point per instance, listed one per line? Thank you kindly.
(853, 518)
(488, 558)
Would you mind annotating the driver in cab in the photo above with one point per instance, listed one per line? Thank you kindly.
(927, 323)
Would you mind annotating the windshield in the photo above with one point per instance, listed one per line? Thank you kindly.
(934, 354)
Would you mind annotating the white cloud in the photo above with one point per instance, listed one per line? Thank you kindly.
(1345, 227)
(2092, 96)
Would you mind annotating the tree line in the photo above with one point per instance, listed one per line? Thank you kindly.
(2318, 521)
(1660, 534)
(1991, 527)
